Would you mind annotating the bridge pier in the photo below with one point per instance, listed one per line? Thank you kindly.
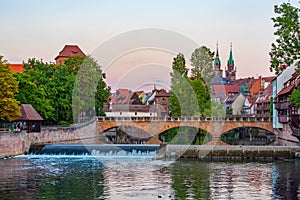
(154, 140)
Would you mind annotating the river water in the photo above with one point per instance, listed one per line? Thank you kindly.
(87, 177)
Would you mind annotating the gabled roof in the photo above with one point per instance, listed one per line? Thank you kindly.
(162, 93)
(124, 96)
(70, 50)
(226, 89)
(268, 78)
(285, 90)
(294, 76)
(28, 113)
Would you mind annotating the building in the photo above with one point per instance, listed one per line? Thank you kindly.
(30, 120)
(218, 72)
(240, 105)
(262, 105)
(230, 72)
(285, 114)
(221, 92)
(68, 51)
(15, 68)
(162, 102)
(125, 103)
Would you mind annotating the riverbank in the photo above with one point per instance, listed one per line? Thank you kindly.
(230, 152)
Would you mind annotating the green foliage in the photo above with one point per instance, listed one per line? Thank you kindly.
(286, 49)
(190, 97)
(102, 95)
(9, 108)
(182, 98)
(229, 111)
(90, 91)
(271, 106)
(185, 135)
(216, 109)
(202, 62)
(49, 88)
(295, 97)
(202, 95)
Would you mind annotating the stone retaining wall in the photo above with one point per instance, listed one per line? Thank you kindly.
(19, 143)
(230, 152)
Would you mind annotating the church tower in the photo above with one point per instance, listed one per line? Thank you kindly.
(231, 70)
(217, 65)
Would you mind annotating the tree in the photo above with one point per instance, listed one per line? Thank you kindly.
(102, 95)
(202, 62)
(34, 87)
(49, 87)
(202, 94)
(90, 91)
(9, 108)
(182, 101)
(295, 97)
(286, 49)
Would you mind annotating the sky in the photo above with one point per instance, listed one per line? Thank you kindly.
(40, 29)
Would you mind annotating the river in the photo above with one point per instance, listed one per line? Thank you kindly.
(62, 177)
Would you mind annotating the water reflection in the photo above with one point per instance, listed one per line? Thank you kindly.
(142, 178)
(190, 179)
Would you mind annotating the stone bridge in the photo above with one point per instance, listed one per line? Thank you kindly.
(216, 126)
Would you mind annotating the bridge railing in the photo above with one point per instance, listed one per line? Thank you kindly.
(233, 118)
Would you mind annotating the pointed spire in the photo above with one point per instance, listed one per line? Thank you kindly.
(217, 59)
(230, 60)
(217, 55)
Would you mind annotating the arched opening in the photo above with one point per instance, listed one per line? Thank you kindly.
(185, 135)
(248, 136)
(126, 135)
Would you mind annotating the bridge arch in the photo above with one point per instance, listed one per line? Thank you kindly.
(185, 135)
(155, 125)
(251, 135)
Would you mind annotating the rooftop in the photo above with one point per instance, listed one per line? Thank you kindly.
(70, 50)
(28, 113)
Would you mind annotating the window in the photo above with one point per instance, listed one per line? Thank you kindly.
(120, 113)
(135, 113)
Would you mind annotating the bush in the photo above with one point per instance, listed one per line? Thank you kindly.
(64, 123)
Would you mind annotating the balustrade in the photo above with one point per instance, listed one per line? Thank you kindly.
(238, 118)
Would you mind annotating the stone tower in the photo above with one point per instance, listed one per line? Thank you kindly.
(217, 65)
(231, 70)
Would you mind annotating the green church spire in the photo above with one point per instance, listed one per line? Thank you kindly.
(217, 59)
(230, 60)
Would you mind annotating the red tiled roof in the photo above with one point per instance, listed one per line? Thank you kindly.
(16, 68)
(226, 89)
(123, 96)
(294, 76)
(70, 50)
(162, 93)
(29, 113)
(285, 90)
(268, 78)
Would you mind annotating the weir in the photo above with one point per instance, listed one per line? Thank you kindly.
(94, 149)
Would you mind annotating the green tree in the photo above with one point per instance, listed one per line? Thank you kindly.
(202, 62)
(9, 108)
(295, 97)
(182, 101)
(49, 88)
(34, 87)
(90, 91)
(286, 49)
(102, 95)
(202, 94)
